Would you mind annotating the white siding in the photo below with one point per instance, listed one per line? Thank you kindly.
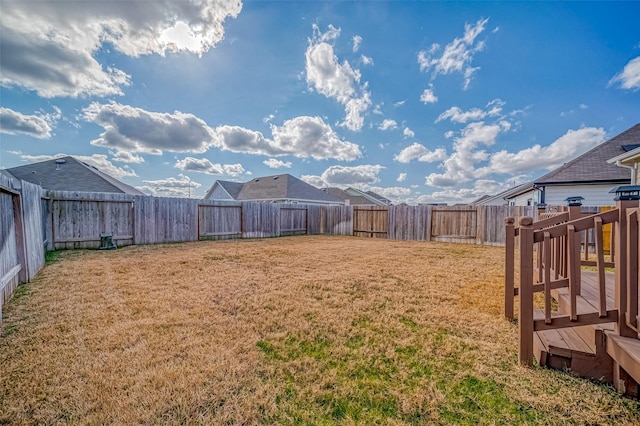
(594, 195)
(219, 193)
(528, 198)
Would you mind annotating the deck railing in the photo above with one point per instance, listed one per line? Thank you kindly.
(551, 257)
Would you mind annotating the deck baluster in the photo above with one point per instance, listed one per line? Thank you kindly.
(525, 314)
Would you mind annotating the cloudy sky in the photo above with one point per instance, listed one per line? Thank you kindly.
(419, 101)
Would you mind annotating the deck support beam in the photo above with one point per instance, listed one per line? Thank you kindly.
(525, 314)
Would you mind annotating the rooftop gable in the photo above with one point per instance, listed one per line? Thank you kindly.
(283, 187)
(70, 174)
(592, 166)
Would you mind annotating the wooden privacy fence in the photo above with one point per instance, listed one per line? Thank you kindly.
(22, 235)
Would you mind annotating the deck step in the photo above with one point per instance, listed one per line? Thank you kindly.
(626, 352)
(566, 349)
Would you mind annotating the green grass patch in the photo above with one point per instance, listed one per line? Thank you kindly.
(368, 377)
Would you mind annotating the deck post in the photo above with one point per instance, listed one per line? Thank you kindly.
(525, 314)
(575, 212)
(509, 263)
(623, 202)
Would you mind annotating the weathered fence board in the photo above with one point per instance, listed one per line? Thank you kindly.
(336, 220)
(293, 220)
(454, 224)
(34, 238)
(165, 220)
(260, 220)
(409, 222)
(9, 263)
(78, 219)
(370, 222)
(220, 221)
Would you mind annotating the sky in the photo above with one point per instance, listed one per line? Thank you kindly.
(422, 102)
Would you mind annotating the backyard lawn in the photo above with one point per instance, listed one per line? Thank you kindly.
(294, 330)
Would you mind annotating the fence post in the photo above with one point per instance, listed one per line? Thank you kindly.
(525, 314)
(509, 264)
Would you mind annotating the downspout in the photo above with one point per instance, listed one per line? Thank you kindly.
(632, 168)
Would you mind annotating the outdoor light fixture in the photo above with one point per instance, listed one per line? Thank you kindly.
(574, 201)
(626, 192)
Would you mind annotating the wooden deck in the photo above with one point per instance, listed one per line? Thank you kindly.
(590, 350)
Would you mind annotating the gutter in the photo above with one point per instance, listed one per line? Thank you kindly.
(633, 169)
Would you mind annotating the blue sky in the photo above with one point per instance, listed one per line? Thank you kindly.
(418, 101)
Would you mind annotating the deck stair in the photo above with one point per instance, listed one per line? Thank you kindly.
(581, 349)
(589, 323)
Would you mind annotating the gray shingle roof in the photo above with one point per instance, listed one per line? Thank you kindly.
(354, 200)
(592, 166)
(283, 187)
(71, 175)
(232, 188)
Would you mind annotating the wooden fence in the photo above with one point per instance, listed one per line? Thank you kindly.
(22, 234)
(33, 220)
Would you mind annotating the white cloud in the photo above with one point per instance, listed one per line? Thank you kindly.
(388, 124)
(428, 97)
(133, 129)
(583, 106)
(457, 55)
(13, 122)
(241, 140)
(99, 161)
(420, 153)
(357, 40)
(306, 137)
(336, 80)
(563, 149)
(465, 195)
(200, 165)
(182, 186)
(494, 109)
(408, 133)
(345, 176)
(629, 77)
(366, 60)
(126, 157)
(402, 177)
(399, 103)
(49, 46)
(277, 164)
(460, 167)
(234, 170)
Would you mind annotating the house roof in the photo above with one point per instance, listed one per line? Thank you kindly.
(355, 197)
(378, 197)
(506, 194)
(283, 187)
(232, 188)
(592, 166)
(276, 188)
(628, 157)
(70, 174)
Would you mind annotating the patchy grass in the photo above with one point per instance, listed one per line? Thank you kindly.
(297, 330)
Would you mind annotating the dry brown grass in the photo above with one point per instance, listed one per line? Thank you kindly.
(297, 330)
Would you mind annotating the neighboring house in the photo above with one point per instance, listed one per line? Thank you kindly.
(355, 197)
(277, 189)
(379, 197)
(70, 174)
(590, 175)
(520, 195)
(629, 160)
